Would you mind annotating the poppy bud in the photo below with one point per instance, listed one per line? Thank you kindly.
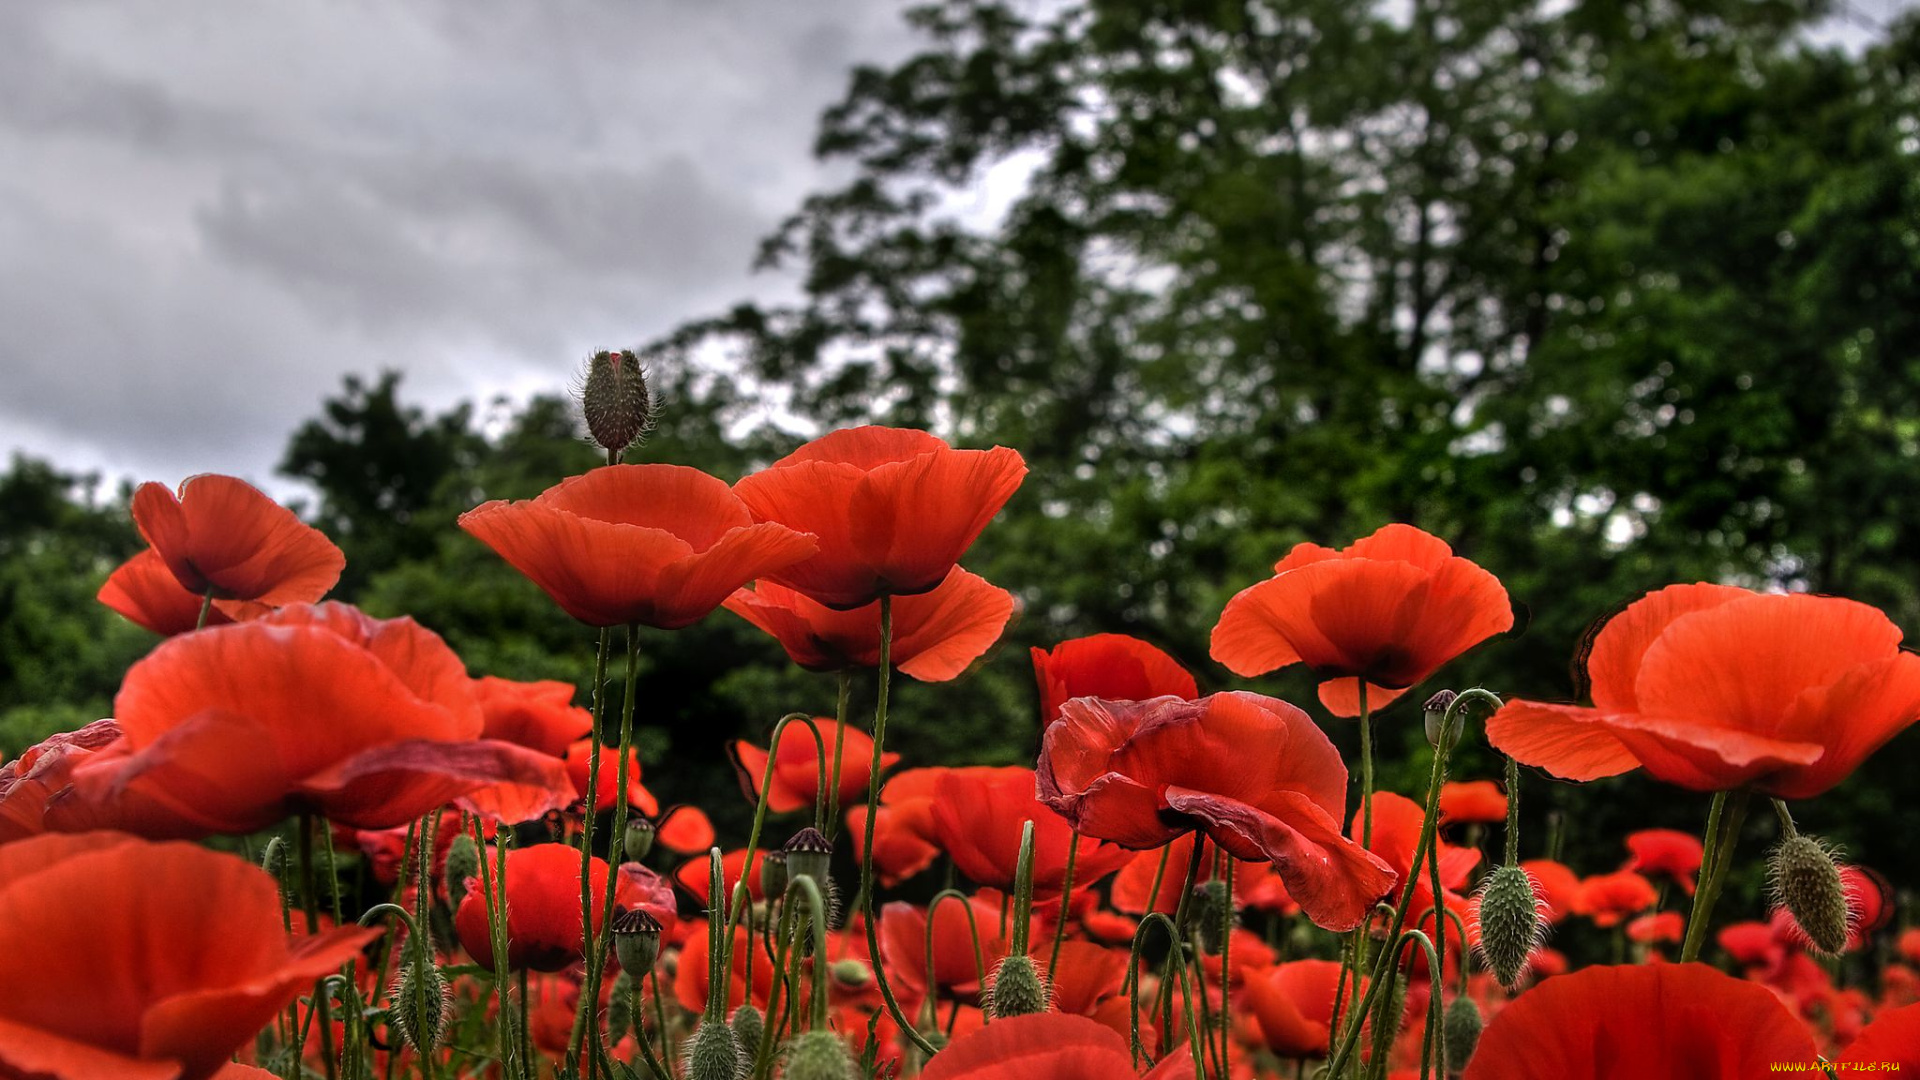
(422, 1001)
(637, 841)
(1389, 1015)
(1018, 989)
(1462, 1025)
(1806, 880)
(1436, 713)
(615, 399)
(817, 1055)
(1510, 924)
(748, 1025)
(713, 1053)
(620, 1008)
(773, 874)
(808, 856)
(636, 940)
(1212, 914)
(851, 972)
(463, 862)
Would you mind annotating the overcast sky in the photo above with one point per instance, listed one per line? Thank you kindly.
(210, 211)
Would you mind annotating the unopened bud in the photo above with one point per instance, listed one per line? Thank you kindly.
(1462, 1025)
(748, 1025)
(1510, 925)
(620, 1008)
(463, 862)
(637, 841)
(422, 1001)
(1018, 989)
(1806, 880)
(817, 1055)
(636, 940)
(713, 1053)
(773, 874)
(851, 973)
(1212, 914)
(615, 399)
(808, 856)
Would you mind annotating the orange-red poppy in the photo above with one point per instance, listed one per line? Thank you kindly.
(658, 545)
(691, 980)
(1255, 885)
(1712, 687)
(45, 769)
(145, 591)
(1651, 1022)
(606, 791)
(1610, 899)
(1046, 1046)
(903, 843)
(1114, 666)
(696, 876)
(1670, 852)
(796, 775)
(223, 535)
(143, 961)
(1656, 927)
(1253, 773)
(1396, 834)
(935, 634)
(1892, 1039)
(537, 715)
(1472, 801)
(313, 708)
(543, 909)
(894, 509)
(1555, 886)
(1293, 1003)
(1390, 609)
(903, 946)
(686, 830)
(978, 816)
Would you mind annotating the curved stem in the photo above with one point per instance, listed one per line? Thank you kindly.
(739, 902)
(830, 827)
(973, 928)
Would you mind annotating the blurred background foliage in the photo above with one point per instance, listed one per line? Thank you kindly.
(1609, 294)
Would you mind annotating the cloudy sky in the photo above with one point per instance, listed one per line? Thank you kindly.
(212, 210)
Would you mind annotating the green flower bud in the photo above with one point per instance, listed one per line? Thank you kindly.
(1018, 989)
(637, 841)
(851, 972)
(422, 1000)
(713, 1053)
(748, 1024)
(773, 873)
(615, 399)
(620, 1008)
(1806, 880)
(1462, 1024)
(817, 1055)
(1435, 714)
(1212, 913)
(463, 862)
(1510, 923)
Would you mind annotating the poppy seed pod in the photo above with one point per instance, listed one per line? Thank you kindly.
(615, 398)
(637, 841)
(636, 940)
(1435, 714)
(773, 873)
(1806, 881)
(808, 856)
(713, 1053)
(1018, 988)
(817, 1055)
(1510, 925)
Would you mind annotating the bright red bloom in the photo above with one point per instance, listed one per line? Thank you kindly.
(145, 591)
(1046, 1046)
(537, 715)
(1651, 1022)
(1293, 1003)
(1610, 899)
(978, 815)
(1397, 823)
(370, 722)
(543, 909)
(1894, 1036)
(40, 773)
(1255, 885)
(904, 842)
(1087, 976)
(1471, 801)
(1555, 885)
(696, 876)
(903, 946)
(1666, 926)
(606, 791)
(120, 964)
(1390, 609)
(935, 634)
(685, 830)
(223, 534)
(1113, 666)
(691, 979)
(658, 545)
(894, 509)
(1666, 851)
(1752, 944)
(1254, 773)
(1712, 687)
(796, 775)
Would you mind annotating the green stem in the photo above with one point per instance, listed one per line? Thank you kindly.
(599, 945)
(1226, 976)
(1066, 899)
(588, 813)
(1513, 811)
(830, 828)
(1724, 819)
(1023, 893)
(310, 895)
(206, 610)
(741, 894)
(973, 929)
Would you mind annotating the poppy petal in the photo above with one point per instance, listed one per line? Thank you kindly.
(1853, 717)
(1571, 742)
(906, 517)
(1705, 756)
(1342, 697)
(1893, 1037)
(1613, 664)
(388, 785)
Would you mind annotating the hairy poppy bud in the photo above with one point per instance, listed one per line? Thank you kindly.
(808, 856)
(713, 1053)
(1462, 1025)
(1436, 713)
(1510, 925)
(851, 972)
(1212, 914)
(463, 862)
(620, 1008)
(1018, 989)
(748, 1025)
(1806, 880)
(636, 940)
(773, 874)
(422, 1001)
(817, 1055)
(637, 841)
(615, 399)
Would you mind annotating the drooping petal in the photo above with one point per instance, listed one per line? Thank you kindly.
(1335, 880)
(1571, 742)
(222, 533)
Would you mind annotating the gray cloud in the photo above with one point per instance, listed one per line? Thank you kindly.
(212, 211)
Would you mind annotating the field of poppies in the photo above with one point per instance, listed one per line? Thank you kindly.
(310, 842)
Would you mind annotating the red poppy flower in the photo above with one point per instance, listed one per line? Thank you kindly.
(1752, 944)
(1711, 687)
(543, 910)
(796, 776)
(370, 722)
(537, 715)
(903, 946)
(1086, 977)
(44, 770)
(1666, 851)
(894, 509)
(691, 979)
(935, 634)
(686, 830)
(658, 545)
(145, 591)
(606, 789)
(1666, 926)
(696, 876)
(978, 816)
(1255, 885)
(1685, 1021)
(904, 841)
(1610, 899)
(1113, 666)
(1251, 772)
(1893, 1037)
(1397, 824)
(1390, 610)
(1472, 801)
(1046, 1046)
(1293, 1003)
(223, 534)
(1555, 885)
(149, 981)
